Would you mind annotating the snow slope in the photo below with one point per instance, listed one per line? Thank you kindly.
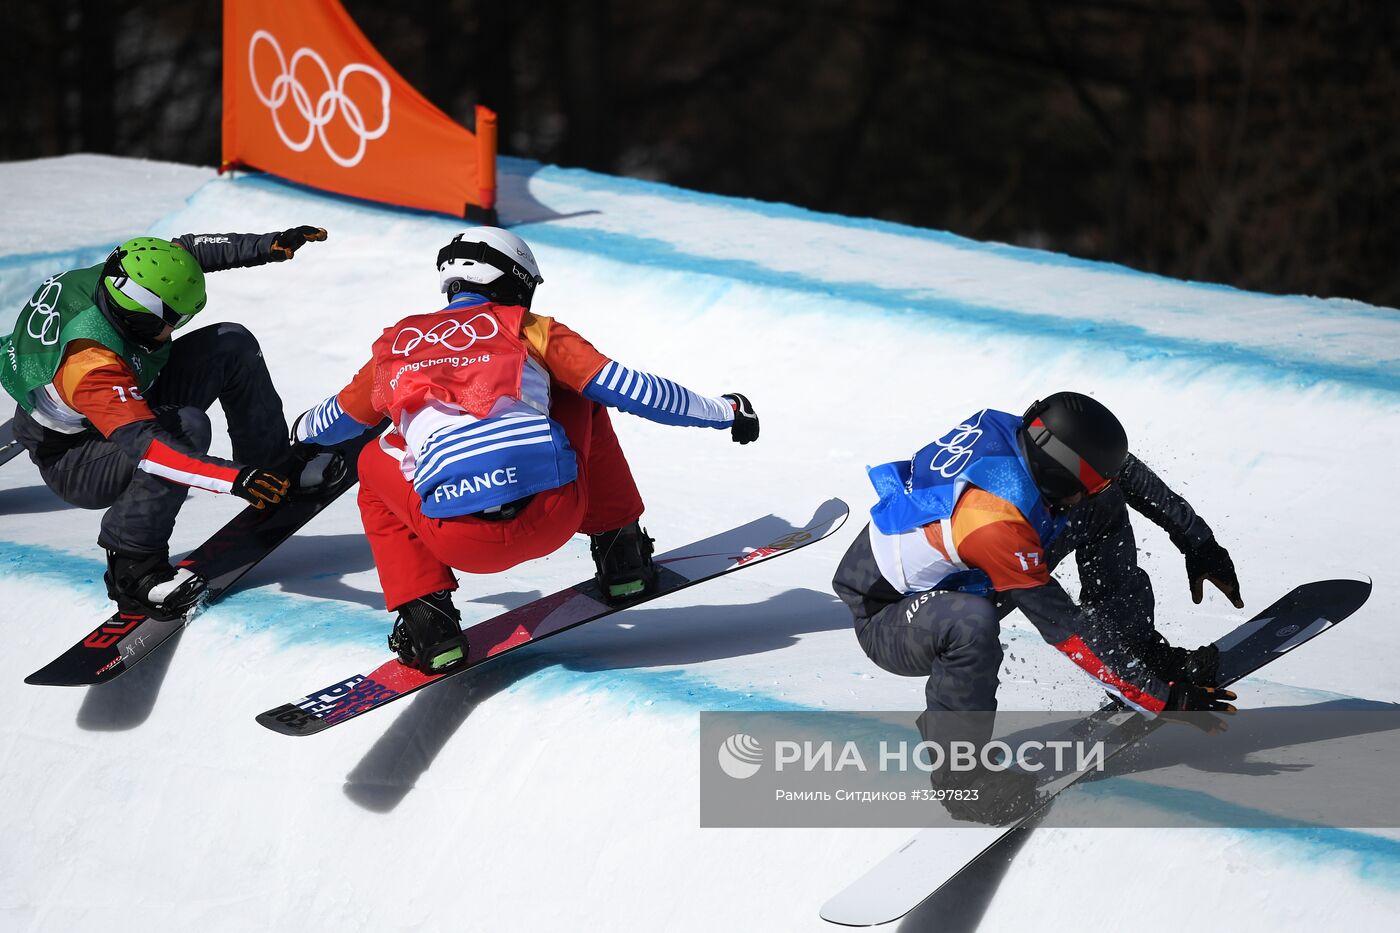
(557, 789)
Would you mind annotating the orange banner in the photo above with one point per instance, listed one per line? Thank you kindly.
(307, 97)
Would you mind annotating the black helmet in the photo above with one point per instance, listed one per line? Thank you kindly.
(1072, 444)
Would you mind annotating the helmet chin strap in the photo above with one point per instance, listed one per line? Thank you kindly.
(458, 286)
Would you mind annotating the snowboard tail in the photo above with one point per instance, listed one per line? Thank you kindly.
(116, 645)
(584, 602)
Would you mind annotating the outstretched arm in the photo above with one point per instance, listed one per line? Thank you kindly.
(1206, 559)
(216, 252)
(656, 399)
(575, 362)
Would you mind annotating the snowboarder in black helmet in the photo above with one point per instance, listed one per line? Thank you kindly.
(112, 411)
(971, 527)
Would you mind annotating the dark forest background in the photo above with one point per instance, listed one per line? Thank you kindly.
(1249, 142)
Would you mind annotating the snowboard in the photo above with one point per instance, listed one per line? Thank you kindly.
(10, 447)
(119, 643)
(686, 566)
(935, 858)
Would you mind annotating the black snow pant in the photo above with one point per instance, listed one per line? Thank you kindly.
(220, 362)
(953, 638)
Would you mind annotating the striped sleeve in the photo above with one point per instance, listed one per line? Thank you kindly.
(166, 462)
(575, 363)
(347, 414)
(157, 451)
(656, 399)
(326, 424)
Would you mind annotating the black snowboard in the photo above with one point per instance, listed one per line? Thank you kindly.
(935, 859)
(116, 645)
(715, 556)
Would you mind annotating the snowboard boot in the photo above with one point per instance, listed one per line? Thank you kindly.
(428, 634)
(314, 471)
(623, 558)
(146, 585)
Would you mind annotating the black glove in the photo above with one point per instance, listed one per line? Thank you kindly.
(1194, 698)
(1209, 561)
(288, 242)
(259, 487)
(994, 798)
(744, 430)
(1200, 666)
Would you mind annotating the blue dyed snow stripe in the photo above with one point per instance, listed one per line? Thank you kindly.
(670, 690)
(255, 611)
(22, 273)
(587, 180)
(300, 621)
(59, 260)
(1374, 858)
(36, 560)
(1132, 340)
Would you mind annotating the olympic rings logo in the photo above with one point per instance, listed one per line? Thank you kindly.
(45, 313)
(956, 448)
(332, 101)
(408, 338)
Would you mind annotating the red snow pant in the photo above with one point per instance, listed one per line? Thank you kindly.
(415, 554)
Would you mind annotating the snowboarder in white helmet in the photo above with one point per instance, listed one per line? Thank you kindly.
(112, 411)
(971, 527)
(502, 448)
(491, 262)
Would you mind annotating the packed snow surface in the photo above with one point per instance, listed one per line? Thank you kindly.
(557, 789)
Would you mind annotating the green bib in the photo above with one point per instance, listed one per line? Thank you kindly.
(61, 311)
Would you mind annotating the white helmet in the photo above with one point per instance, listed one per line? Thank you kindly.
(492, 261)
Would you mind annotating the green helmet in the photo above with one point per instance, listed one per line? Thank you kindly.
(151, 280)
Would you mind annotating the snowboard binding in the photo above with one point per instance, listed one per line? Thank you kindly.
(623, 559)
(146, 585)
(316, 472)
(427, 634)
